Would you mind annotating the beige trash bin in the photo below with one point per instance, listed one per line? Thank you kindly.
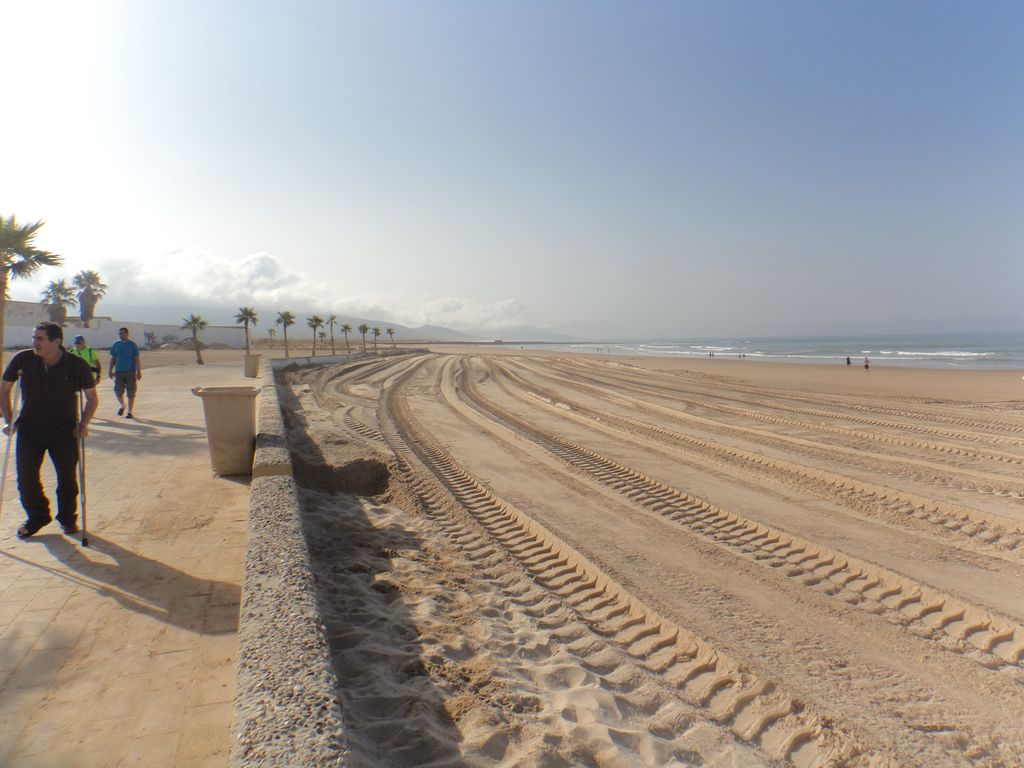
(252, 365)
(230, 427)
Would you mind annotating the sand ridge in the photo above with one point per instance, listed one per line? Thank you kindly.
(586, 561)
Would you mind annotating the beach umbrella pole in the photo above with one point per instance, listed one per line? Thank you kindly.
(7, 451)
(81, 471)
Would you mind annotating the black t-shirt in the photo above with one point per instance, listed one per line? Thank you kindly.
(48, 396)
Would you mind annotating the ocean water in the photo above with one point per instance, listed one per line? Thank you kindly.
(968, 351)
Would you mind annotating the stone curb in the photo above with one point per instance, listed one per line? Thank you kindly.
(272, 457)
(286, 706)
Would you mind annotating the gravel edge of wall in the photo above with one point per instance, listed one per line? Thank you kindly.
(286, 709)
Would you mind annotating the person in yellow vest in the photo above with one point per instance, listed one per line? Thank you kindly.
(79, 349)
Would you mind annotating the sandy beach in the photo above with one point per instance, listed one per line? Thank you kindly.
(536, 559)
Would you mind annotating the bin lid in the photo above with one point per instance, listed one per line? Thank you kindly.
(236, 391)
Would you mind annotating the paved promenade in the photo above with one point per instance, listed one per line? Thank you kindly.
(124, 653)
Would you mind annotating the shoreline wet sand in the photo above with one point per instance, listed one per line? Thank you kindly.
(892, 380)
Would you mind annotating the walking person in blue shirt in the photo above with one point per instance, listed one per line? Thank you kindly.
(125, 370)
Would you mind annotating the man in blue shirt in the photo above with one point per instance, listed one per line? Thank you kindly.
(125, 370)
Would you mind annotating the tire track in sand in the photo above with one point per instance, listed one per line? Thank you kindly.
(986, 531)
(753, 708)
(962, 628)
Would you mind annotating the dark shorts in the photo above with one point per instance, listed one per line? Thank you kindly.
(125, 381)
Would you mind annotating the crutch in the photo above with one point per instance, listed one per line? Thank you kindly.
(7, 452)
(81, 469)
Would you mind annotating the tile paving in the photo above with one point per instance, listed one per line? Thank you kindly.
(124, 652)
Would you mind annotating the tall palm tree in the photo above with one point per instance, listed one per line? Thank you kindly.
(284, 319)
(364, 329)
(347, 329)
(270, 333)
(245, 316)
(91, 289)
(195, 323)
(391, 332)
(57, 297)
(323, 338)
(376, 333)
(315, 322)
(331, 321)
(19, 257)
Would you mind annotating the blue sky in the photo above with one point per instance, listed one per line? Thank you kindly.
(605, 170)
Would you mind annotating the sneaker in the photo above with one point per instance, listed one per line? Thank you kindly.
(70, 529)
(129, 416)
(120, 411)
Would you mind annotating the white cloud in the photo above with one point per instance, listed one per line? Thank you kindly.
(184, 278)
(187, 276)
(462, 313)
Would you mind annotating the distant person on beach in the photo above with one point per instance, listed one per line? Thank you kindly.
(867, 364)
(87, 353)
(48, 423)
(125, 370)
(847, 359)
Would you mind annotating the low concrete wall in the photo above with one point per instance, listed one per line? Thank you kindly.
(272, 457)
(286, 706)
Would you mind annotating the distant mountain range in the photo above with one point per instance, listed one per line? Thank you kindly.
(215, 315)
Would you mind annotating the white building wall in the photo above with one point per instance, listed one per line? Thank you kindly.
(20, 336)
(27, 313)
(103, 333)
(232, 336)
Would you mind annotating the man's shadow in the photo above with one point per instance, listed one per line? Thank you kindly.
(144, 585)
(144, 436)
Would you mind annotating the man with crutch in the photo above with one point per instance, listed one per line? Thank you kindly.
(51, 379)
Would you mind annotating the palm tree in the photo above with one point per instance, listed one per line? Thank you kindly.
(364, 329)
(245, 316)
(57, 297)
(195, 323)
(347, 329)
(270, 333)
(315, 322)
(391, 332)
(19, 258)
(376, 333)
(284, 319)
(91, 289)
(331, 321)
(323, 338)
